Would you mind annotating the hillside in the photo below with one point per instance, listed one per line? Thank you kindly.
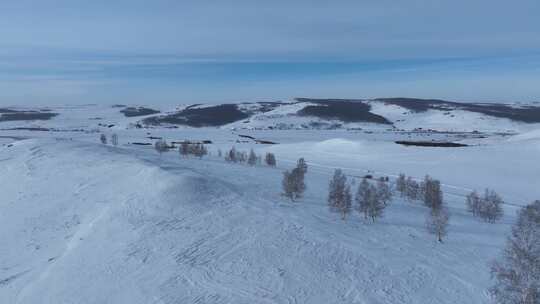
(133, 227)
(393, 114)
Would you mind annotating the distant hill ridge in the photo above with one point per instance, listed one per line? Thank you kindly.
(338, 111)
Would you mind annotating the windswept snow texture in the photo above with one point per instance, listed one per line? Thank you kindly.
(86, 223)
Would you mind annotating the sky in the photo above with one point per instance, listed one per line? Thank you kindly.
(145, 52)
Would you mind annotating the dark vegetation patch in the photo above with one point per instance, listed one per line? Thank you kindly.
(22, 115)
(341, 109)
(140, 111)
(265, 142)
(265, 106)
(201, 117)
(6, 110)
(118, 106)
(259, 141)
(39, 129)
(430, 144)
(192, 142)
(527, 114)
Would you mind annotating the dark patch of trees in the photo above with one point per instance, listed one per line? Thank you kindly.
(344, 110)
(201, 117)
(138, 111)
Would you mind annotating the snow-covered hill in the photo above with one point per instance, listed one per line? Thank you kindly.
(83, 222)
(86, 223)
(306, 114)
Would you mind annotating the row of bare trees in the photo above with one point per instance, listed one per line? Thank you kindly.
(370, 200)
(251, 159)
(488, 207)
(197, 149)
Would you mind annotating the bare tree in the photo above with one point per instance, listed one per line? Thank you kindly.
(363, 196)
(241, 157)
(270, 159)
(437, 222)
(252, 159)
(473, 203)
(375, 204)
(491, 206)
(231, 155)
(339, 194)
(184, 148)
(347, 203)
(103, 139)
(517, 273)
(287, 184)
(293, 184)
(401, 184)
(114, 140)
(384, 193)
(370, 200)
(433, 196)
(199, 150)
(300, 185)
(302, 165)
(412, 191)
(161, 146)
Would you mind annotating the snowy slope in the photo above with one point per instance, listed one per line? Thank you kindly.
(86, 223)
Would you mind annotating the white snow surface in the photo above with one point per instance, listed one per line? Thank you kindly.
(86, 223)
(82, 222)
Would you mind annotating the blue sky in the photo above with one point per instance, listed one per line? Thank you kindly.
(61, 52)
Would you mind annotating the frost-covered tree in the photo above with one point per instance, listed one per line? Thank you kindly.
(401, 184)
(473, 203)
(231, 155)
(517, 273)
(370, 200)
(199, 150)
(161, 146)
(384, 192)
(103, 138)
(437, 222)
(299, 184)
(252, 158)
(347, 203)
(376, 204)
(363, 196)
(339, 194)
(293, 184)
(114, 139)
(431, 190)
(241, 157)
(412, 191)
(287, 183)
(302, 165)
(491, 206)
(184, 148)
(270, 159)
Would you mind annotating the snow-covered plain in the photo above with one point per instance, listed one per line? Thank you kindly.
(82, 222)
